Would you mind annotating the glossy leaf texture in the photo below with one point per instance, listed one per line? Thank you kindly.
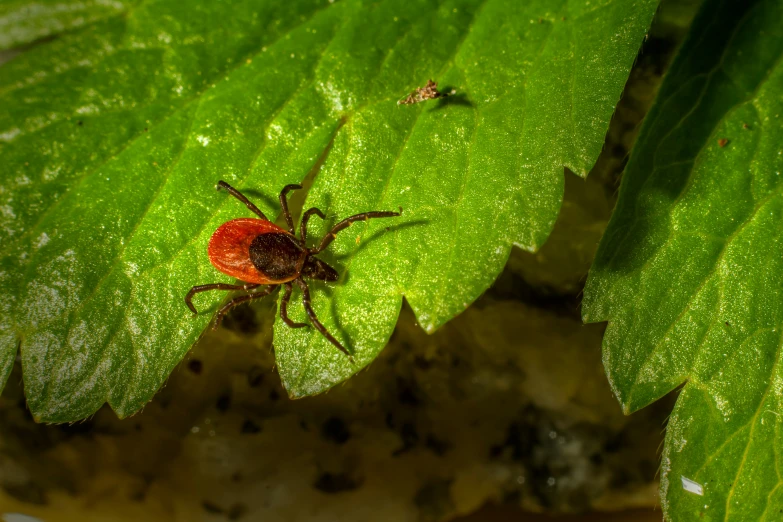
(114, 137)
(689, 273)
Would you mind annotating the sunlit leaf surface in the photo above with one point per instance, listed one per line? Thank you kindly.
(114, 136)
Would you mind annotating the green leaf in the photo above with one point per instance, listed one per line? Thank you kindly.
(23, 21)
(109, 202)
(689, 273)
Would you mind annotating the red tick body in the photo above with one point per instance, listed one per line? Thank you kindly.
(229, 249)
(259, 252)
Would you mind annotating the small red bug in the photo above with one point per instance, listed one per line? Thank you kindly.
(259, 252)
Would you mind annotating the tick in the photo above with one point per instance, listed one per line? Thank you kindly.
(264, 256)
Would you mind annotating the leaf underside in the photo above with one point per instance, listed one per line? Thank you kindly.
(689, 273)
(115, 135)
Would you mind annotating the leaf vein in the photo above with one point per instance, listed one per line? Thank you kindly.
(753, 423)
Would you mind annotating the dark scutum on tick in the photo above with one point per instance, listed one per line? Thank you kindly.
(261, 254)
(275, 255)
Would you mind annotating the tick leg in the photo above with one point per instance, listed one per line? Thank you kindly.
(314, 319)
(284, 205)
(284, 308)
(216, 286)
(305, 219)
(345, 223)
(234, 192)
(239, 300)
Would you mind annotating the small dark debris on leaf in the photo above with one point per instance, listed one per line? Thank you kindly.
(745, 126)
(195, 366)
(80, 123)
(722, 142)
(428, 92)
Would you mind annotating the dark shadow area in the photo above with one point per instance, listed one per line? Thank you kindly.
(458, 99)
(426, 397)
(256, 196)
(695, 97)
(513, 286)
(297, 199)
(378, 234)
(232, 294)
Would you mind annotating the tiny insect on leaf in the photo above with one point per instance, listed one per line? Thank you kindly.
(428, 92)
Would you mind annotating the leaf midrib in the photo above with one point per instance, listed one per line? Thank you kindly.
(447, 64)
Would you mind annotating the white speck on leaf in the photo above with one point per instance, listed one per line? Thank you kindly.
(7, 211)
(9, 135)
(692, 487)
(87, 109)
(42, 240)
